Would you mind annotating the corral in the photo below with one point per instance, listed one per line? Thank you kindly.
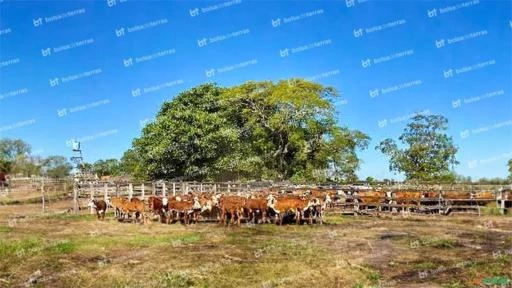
(382, 249)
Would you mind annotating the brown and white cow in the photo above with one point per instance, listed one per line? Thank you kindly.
(100, 206)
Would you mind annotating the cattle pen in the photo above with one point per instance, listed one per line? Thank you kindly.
(347, 199)
(372, 237)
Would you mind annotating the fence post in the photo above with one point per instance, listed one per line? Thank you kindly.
(215, 188)
(164, 193)
(201, 187)
(142, 188)
(154, 188)
(130, 191)
(229, 188)
(173, 188)
(91, 188)
(42, 195)
(502, 206)
(75, 198)
(105, 193)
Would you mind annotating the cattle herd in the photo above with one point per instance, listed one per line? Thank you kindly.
(279, 206)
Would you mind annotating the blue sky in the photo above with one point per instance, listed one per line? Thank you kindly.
(448, 57)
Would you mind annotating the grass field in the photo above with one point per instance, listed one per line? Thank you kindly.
(60, 250)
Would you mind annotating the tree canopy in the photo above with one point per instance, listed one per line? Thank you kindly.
(56, 167)
(257, 130)
(509, 164)
(12, 153)
(429, 153)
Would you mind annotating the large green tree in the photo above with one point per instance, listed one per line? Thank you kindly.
(509, 163)
(429, 153)
(13, 153)
(56, 167)
(284, 130)
(108, 167)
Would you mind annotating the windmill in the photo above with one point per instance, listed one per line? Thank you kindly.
(78, 159)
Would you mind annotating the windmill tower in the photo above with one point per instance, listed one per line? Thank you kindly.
(78, 159)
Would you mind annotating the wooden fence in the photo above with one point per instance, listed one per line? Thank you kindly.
(44, 191)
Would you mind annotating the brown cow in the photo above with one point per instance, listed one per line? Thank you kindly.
(184, 207)
(406, 197)
(232, 206)
(281, 205)
(254, 207)
(370, 197)
(158, 206)
(100, 206)
(137, 207)
(117, 203)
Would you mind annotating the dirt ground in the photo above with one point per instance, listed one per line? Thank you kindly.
(61, 250)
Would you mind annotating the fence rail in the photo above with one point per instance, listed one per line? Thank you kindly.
(44, 190)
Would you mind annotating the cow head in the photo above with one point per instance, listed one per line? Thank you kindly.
(197, 204)
(271, 200)
(207, 206)
(92, 203)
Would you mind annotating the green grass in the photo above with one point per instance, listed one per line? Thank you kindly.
(175, 280)
(70, 217)
(427, 265)
(20, 248)
(62, 247)
(6, 229)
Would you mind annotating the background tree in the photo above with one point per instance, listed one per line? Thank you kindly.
(509, 163)
(429, 153)
(108, 167)
(13, 152)
(132, 164)
(57, 167)
(284, 130)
